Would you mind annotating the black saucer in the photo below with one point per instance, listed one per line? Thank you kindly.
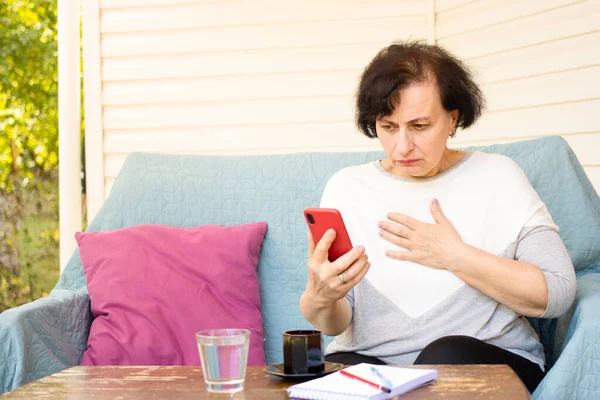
(277, 370)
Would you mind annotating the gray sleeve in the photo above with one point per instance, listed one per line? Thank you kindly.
(350, 301)
(543, 247)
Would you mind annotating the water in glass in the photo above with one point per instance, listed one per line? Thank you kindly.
(224, 355)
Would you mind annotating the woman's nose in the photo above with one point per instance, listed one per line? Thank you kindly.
(404, 143)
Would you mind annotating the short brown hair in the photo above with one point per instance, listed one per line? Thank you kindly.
(405, 63)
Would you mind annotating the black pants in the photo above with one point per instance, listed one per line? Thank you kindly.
(459, 350)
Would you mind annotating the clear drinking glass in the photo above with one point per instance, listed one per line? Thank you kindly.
(224, 355)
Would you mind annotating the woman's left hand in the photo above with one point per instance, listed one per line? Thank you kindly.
(433, 245)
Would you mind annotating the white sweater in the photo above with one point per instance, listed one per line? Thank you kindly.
(401, 306)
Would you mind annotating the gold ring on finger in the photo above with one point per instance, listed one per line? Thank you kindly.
(341, 276)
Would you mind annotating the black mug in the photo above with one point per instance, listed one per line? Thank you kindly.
(303, 352)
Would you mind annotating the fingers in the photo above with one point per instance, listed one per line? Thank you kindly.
(436, 212)
(356, 272)
(395, 229)
(311, 244)
(400, 255)
(320, 253)
(345, 261)
(405, 220)
(397, 240)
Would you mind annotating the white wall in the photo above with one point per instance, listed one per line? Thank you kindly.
(246, 76)
(538, 63)
(259, 76)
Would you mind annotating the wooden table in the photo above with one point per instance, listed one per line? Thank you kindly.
(88, 383)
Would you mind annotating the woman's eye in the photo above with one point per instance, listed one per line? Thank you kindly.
(387, 127)
(420, 127)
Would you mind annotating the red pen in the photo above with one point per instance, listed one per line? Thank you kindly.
(358, 378)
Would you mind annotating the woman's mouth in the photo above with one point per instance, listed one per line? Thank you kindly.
(405, 162)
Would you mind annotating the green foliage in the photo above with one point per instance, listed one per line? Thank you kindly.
(28, 88)
(28, 150)
(13, 290)
(37, 249)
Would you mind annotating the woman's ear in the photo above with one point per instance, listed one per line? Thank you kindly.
(453, 119)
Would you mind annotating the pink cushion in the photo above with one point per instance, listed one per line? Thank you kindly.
(152, 287)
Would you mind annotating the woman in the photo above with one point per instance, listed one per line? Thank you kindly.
(460, 247)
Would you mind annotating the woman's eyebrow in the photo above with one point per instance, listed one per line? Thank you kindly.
(412, 121)
(424, 118)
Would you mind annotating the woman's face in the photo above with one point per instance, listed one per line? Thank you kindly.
(414, 136)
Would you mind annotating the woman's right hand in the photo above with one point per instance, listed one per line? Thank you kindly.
(331, 281)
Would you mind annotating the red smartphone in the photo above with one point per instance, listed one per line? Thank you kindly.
(319, 220)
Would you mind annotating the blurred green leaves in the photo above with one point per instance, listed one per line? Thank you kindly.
(28, 150)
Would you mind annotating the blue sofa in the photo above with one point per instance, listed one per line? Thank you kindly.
(50, 334)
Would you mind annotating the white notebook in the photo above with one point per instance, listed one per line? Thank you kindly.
(338, 386)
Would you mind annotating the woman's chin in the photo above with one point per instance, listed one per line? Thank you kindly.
(408, 172)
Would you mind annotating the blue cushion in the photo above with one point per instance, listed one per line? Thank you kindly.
(190, 190)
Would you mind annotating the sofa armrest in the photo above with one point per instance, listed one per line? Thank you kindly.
(576, 372)
(43, 337)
